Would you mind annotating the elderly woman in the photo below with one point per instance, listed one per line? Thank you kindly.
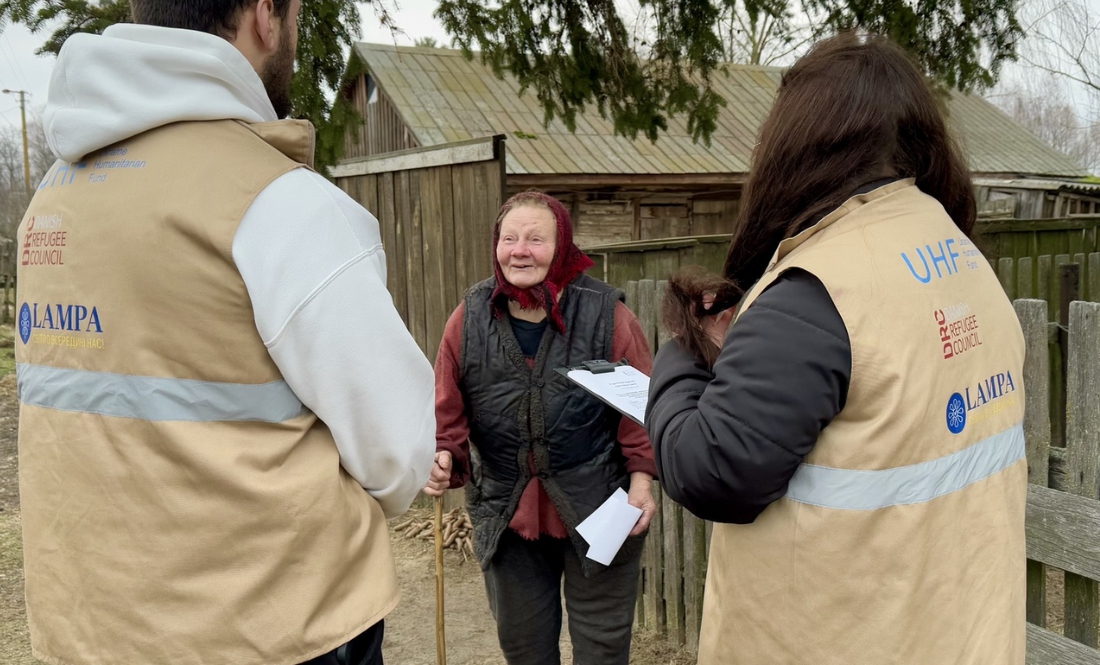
(869, 474)
(545, 454)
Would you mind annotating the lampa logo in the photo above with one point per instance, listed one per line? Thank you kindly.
(71, 318)
(956, 414)
(960, 405)
(25, 323)
(994, 387)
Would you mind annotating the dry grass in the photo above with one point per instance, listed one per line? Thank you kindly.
(15, 648)
(14, 638)
(649, 649)
(7, 350)
(1056, 600)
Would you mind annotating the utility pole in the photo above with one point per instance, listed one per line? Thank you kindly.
(26, 153)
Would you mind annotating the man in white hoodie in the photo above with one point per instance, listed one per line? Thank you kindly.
(219, 403)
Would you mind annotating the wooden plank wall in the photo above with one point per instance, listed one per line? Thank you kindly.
(664, 218)
(598, 222)
(382, 130)
(436, 224)
(436, 228)
(1063, 513)
(1036, 237)
(674, 559)
(657, 259)
(630, 216)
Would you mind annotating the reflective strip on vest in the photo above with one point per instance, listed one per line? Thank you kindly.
(155, 398)
(853, 489)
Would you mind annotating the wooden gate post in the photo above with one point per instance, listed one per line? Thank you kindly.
(1033, 320)
(1083, 454)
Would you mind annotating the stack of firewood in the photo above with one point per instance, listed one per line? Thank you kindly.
(458, 532)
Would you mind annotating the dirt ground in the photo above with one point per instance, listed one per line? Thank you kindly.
(14, 639)
(410, 629)
(471, 636)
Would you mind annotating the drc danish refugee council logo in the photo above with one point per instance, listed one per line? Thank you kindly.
(956, 413)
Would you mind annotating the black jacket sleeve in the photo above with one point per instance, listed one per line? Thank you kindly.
(727, 442)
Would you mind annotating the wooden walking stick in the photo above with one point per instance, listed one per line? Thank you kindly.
(440, 639)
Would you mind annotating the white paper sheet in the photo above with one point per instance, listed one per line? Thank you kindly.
(607, 528)
(626, 389)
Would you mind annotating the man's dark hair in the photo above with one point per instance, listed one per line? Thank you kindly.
(218, 17)
(853, 110)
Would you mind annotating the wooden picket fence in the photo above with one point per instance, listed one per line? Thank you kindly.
(674, 563)
(1058, 280)
(9, 257)
(1063, 510)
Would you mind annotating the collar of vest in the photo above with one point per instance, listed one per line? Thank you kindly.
(294, 138)
(857, 201)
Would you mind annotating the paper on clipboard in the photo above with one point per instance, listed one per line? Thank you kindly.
(625, 389)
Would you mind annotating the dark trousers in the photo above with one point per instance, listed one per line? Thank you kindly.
(366, 649)
(524, 584)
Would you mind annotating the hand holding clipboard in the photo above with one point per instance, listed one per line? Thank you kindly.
(618, 385)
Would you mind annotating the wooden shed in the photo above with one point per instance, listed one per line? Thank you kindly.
(620, 189)
(1038, 198)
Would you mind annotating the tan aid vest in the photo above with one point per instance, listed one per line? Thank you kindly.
(180, 505)
(901, 537)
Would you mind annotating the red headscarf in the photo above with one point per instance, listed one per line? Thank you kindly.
(569, 262)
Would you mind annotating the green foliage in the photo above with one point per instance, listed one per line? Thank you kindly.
(960, 43)
(426, 42)
(325, 29)
(575, 53)
(342, 118)
(78, 16)
(7, 350)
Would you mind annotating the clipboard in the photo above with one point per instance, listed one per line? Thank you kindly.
(619, 385)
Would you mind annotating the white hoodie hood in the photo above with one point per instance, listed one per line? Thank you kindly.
(133, 78)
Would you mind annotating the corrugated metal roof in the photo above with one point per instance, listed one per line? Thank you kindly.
(1073, 186)
(444, 97)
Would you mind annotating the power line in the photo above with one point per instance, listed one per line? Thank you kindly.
(18, 68)
(26, 155)
(7, 59)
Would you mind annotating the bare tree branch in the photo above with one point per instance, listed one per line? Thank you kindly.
(1063, 39)
(1042, 107)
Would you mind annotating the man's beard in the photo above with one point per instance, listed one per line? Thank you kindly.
(277, 73)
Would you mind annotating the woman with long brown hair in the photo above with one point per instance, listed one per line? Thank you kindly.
(858, 429)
